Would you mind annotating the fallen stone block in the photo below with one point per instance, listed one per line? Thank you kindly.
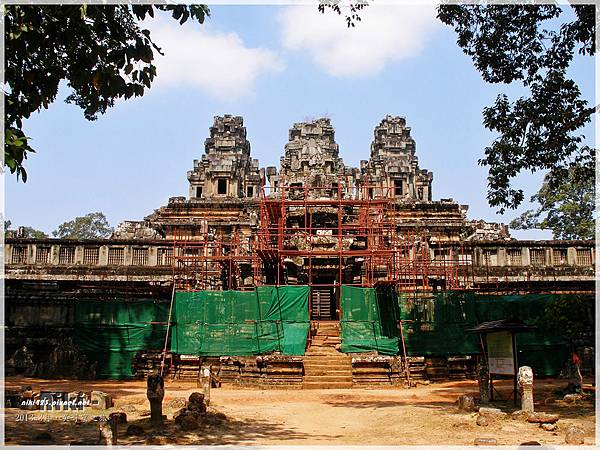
(520, 415)
(189, 420)
(542, 418)
(100, 400)
(196, 402)
(572, 398)
(196, 398)
(466, 403)
(482, 421)
(485, 441)
(493, 413)
(574, 436)
(176, 403)
(548, 426)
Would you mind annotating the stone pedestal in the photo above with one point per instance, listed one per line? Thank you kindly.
(525, 382)
(204, 382)
(155, 391)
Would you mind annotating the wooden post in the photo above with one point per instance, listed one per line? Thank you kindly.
(155, 392)
(515, 365)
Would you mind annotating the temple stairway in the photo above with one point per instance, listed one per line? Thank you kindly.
(324, 366)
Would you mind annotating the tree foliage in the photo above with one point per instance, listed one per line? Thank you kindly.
(351, 10)
(542, 131)
(571, 318)
(30, 232)
(91, 226)
(23, 231)
(567, 209)
(100, 50)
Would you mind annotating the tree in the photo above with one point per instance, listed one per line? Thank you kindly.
(100, 50)
(542, 130)
(353, 8)
(91, 226)
(22, 232)
(571, 318)
(30, 232)
(568, 209)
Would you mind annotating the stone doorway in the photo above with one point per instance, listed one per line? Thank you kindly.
(323, 302)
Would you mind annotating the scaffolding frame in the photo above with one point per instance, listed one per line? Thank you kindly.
(361, 230)
(358, 229)
(212, 261)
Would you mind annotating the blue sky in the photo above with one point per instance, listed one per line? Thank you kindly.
(273, 65)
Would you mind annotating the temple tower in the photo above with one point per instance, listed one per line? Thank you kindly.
(312, 159)
(226, 169)
(393, 162)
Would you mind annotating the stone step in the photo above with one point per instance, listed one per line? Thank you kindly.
(327, 380)
(323, 347)
(327, 345)
(325, 356)
(328, 332)
(320, 385)
(324, 338)
(327, 364)
(330, 365)
(325, 371)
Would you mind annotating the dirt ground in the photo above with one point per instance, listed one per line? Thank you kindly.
(391, 416)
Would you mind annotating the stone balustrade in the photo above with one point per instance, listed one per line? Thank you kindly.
(159, 253)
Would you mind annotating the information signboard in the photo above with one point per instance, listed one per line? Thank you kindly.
(500, 353)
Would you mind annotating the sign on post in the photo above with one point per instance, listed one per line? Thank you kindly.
(501, 359)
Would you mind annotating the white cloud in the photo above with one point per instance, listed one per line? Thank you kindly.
(215, 62)
(385, 34)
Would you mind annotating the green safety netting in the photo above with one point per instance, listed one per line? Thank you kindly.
(110, 333)
(369, 320)
(219, 323)
(435, 326)
(544, 350)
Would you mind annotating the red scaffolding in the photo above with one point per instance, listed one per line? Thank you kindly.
(304, 231)
(318, 227)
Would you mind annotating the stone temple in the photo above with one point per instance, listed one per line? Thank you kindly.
(265, 270)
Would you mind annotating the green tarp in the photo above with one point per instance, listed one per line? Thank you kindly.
(435, 326)
(220, 323)
(368, 321)
(110, 333)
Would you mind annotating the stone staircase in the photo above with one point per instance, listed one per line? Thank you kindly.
(324, 366)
